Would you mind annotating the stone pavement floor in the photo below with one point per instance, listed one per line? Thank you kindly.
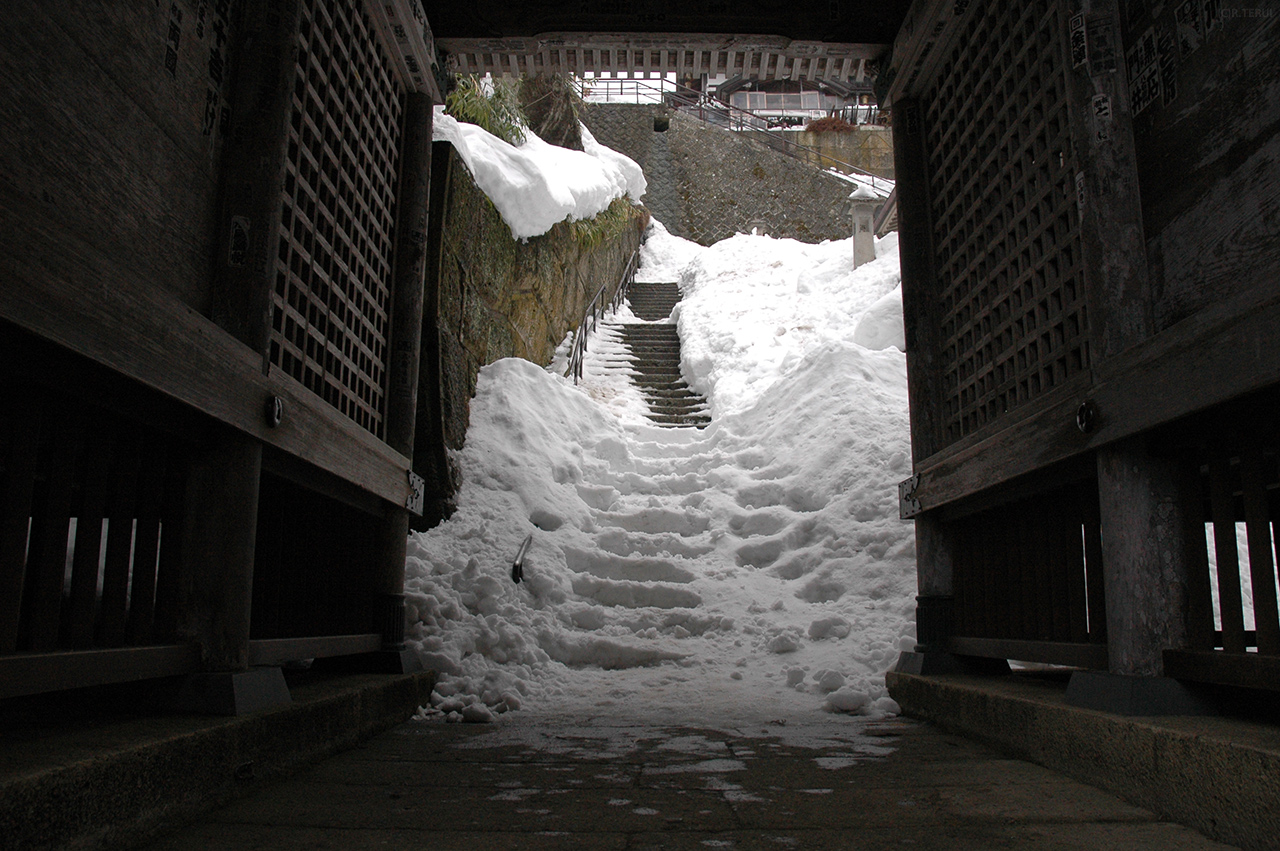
(545, 783)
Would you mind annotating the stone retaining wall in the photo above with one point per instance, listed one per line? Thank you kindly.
(502, 298)
(868, 148)
(707, 183)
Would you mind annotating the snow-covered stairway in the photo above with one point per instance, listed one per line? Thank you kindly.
(655, 356)
(653, 301)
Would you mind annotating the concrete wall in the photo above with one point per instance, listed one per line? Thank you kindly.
(868, 148)
(707, 183)
(501, 298)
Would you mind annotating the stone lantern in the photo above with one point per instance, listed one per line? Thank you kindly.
(864, 238)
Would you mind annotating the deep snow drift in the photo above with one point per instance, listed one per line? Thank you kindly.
(756, 569)
(535, 185)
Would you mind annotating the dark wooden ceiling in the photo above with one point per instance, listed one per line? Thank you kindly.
(839, 21)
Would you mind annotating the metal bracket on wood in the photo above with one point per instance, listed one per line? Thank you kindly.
(908, 505)
(417, 493)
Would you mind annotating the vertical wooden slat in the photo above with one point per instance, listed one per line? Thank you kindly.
(1224, 540)
(84, 568)
(115, 572)
(999, 567)
(1021, 580)
(1199, 593)
(1095, 587)
(969, 583)
(146, 549)
(50, 527)
(170, 580)
(1060, 566)
(960, 582)
(26, 414)
(1032, 577)
(1073, 550)
(269, 559)
(982, 577)
(1050, 581)
(1261, 562)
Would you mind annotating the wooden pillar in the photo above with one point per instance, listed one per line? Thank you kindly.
(219, 536)
(1106, 179)
(934, 553)
(406, 344)
(1152, 553)
(430, 458)
(919, 287)
(934, 548)
(253, 169)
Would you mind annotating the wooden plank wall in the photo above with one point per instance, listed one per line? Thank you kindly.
(113, 114)
(1207, 133)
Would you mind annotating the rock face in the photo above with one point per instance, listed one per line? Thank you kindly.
(501, 298)
(707, 183)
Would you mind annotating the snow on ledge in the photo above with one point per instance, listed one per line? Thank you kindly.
(535, 185)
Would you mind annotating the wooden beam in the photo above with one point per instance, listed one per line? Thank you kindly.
(1207, 359)
(1250, 670)
(146, 334)
(36, 673)
(1047, 652)
(277, 651)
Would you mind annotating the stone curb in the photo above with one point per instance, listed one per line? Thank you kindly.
(1217, 775)
(172, 769)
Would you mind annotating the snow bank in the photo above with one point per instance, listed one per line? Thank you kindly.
(754, 305)
(753, 570)
(535, 185)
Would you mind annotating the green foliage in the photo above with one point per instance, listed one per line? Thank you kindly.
(495, 109)
(605, 225)
(552, 104)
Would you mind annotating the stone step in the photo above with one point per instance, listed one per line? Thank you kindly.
(656, 367)
(655, 343)
(645, 383)
(650, 332)
(673, 393)
(654, 361)
(697, 421)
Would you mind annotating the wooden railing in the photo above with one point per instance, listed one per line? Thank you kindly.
(92, 562)
(1027, 580)
(90, 548)
(1234, 638)
(599, 305)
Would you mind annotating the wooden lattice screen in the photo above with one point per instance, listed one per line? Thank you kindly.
(1005, 222)
(332, 291)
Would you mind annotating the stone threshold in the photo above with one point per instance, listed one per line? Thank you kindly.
(120, 773)
(1220, 776)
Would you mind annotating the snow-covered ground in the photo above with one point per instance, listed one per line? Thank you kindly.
(754, 570)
